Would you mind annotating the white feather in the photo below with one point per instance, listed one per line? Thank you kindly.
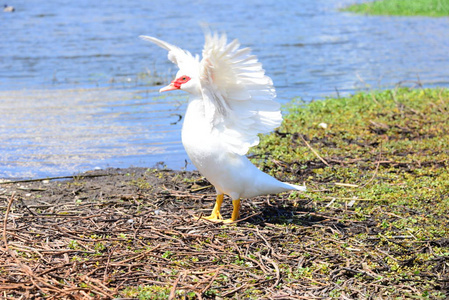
(232, 101)
(183, 59)
(234, 81)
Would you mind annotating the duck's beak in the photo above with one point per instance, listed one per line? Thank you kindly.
(169, 87)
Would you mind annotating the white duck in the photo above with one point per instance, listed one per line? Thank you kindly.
(231, 101)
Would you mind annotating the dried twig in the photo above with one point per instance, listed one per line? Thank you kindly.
(175, 284)
(53, 178)
(96, 246)
(313, 150)
(5, 221)
(378, 162)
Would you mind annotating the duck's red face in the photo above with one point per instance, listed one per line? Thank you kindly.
(176, 84)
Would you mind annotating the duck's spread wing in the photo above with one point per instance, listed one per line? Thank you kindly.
(183, 59)
(237, 94)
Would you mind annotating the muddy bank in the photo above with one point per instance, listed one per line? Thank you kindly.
(131, 233)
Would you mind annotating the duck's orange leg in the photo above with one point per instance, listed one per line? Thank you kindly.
(235, 212)
(215, 216)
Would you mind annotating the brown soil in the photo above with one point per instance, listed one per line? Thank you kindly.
(103, 234)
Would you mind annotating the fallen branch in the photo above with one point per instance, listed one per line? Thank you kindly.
(5, 221)
(313, 150)
(53, 178)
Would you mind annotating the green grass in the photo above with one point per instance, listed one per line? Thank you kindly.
(150, 292)
(387, 155)
(406, 130)
(430, 8)
(389, 147)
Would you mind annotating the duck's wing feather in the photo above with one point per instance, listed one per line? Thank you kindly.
(238, 96)
(183, 59)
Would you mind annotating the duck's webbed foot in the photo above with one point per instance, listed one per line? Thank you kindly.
(215, 216)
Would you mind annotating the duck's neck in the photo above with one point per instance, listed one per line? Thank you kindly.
(196, 130)
(194, 118)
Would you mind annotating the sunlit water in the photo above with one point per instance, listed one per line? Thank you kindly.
(78, 89)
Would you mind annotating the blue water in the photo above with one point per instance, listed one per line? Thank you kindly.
(78, 89)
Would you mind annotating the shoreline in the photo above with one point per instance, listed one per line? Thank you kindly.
(373, 221)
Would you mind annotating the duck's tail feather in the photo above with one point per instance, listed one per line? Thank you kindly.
(301, 188)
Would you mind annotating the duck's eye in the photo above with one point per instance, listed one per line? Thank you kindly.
(181, 80)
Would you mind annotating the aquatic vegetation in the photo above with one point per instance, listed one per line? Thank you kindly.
(430, 8)
(381, 151)
(378, 140)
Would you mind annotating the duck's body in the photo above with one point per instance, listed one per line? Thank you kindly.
(231, 102)
(230, 173)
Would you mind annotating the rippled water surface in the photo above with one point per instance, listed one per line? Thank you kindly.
(78, 89)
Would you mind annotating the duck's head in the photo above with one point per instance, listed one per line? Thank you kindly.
(184, 81)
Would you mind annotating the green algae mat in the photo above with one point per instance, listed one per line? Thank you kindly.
(372, 225)
(427, 8)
